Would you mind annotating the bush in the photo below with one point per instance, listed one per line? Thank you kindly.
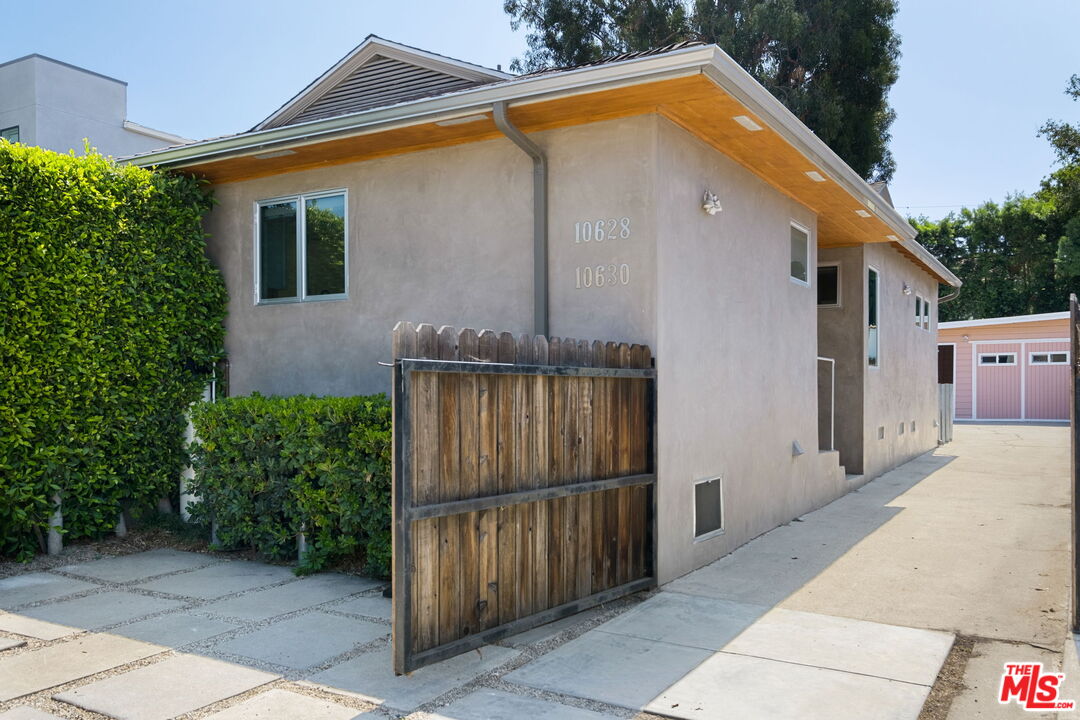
(110, 320)
(268, 467)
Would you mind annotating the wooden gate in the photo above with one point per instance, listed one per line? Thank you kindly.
(524, 484)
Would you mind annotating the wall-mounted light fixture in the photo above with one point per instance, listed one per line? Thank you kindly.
(797, 449)
(710, 203)
(966, 338)
(907, 289)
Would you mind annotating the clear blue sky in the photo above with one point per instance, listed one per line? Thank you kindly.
(977, 79)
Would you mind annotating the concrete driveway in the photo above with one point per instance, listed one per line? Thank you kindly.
(850, 611)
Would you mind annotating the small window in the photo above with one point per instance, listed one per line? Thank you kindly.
(900, 431)
(997, 359)
(1050, 358)
(873, 297)
(800, 255)
(925, 314)
(918, 311)
(881, 432)
(828, 285)
(10, 134)
(708, 507)
(912, 426)
(302, 248)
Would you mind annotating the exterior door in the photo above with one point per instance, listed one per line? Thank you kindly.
(1046, 381)
(998, 380)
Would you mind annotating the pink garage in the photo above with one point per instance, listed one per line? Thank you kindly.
(1007, 368)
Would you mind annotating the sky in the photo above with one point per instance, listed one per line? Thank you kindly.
(977, 78)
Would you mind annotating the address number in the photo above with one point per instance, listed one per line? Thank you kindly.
(601, 230)
(598, 276)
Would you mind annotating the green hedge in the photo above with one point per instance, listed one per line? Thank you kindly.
(110, 321)
(265, 467)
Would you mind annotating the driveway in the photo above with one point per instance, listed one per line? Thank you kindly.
(957, 558)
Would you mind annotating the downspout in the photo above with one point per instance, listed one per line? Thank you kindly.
(950, 296)
(540, 215)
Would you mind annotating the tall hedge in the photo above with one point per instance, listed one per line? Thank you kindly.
(268, 468)
(110, 321)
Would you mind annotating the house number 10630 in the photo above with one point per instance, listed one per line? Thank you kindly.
(602, 230)
(599, 276)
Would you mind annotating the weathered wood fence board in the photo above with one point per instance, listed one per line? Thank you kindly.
(523, 483)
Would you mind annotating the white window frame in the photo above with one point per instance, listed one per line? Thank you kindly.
(918, 310)
(997, 355)
(1048, 354)
(839, 292)
(301, 247)
(18, 133)
(723, 509)
(805, 230)
(877, 304)
(927, 322)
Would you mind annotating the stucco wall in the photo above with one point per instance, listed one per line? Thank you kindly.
(736, 355)
(904, 387)
(445, 237)
(841, 337)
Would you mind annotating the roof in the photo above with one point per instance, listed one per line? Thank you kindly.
(54, 61)
(1040, 317)
(697, 87)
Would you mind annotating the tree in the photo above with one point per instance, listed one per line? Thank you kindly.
(831, 62)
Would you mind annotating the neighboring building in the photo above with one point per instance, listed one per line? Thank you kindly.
(398, 187)
(55, 105)
(1008, 368)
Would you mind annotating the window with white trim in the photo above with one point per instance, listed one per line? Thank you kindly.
(708, 507)
(302, 248)
(873, 300)
(997, 358)
(1049, 358)
(800, 254)
(926, 314)
(11, 134)
(918, 310)
(828, 284)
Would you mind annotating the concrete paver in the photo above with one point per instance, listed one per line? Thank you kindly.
(616, 669)
(689, 620)
(305, 592)
(9, 643)
(221, 579)
(748, 688)
(97, 611)
(24, 712)
(499, 705)
(30, 627)
(37, 587)
(370, 676)
(368, 606)
(276, 704)
(304, 641)
(127, 568)
(867, 648)
(172, 687)
(85, 655)
(175, 630)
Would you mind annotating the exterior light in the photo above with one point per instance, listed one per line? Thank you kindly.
(747, 123)
(710, 203)
(815, 176)
(797, 449)
(274, 154)
(862, 213)
(892, 237)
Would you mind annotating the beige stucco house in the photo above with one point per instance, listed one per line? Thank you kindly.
(663, 198)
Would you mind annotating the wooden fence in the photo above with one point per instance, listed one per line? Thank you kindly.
(524, 484)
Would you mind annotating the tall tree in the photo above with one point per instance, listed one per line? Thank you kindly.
(831, 62)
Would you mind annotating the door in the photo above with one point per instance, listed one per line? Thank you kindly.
(1046, 381)
(945, 364)
(998, 373)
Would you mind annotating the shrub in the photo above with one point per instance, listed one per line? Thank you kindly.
(110, 319)
(267, 467)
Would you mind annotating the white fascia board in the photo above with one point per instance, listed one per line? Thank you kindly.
(1004, 320)
(156, 134)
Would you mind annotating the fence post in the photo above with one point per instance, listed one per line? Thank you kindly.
(1074, 441)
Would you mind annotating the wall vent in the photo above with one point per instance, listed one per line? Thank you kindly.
(708, 508)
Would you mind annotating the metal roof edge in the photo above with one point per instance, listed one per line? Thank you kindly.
(1004, 320)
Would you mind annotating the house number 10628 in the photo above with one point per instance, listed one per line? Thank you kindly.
(599, 276)
(602, 230)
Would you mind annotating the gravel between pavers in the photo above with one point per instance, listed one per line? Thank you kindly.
(292, 679)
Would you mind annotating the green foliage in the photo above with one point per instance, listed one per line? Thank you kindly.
(110, 321)
(268, 467)
(831, 62)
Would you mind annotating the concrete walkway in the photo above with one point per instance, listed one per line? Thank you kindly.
(847, 613)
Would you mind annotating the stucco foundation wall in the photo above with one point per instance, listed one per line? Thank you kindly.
(445, 237)
(904, 387)
(841, 337)
(736, 356)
